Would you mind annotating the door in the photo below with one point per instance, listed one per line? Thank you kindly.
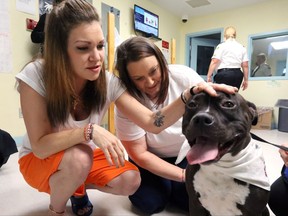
(201, 51)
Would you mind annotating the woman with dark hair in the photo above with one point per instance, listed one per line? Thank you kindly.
(145, 73)
(63, 99)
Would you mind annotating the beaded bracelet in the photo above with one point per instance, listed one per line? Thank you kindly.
(88, 132)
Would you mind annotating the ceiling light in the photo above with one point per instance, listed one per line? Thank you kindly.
(280, 45)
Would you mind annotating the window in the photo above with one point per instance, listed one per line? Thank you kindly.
(268, 56)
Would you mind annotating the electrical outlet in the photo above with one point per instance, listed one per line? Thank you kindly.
(20, 113)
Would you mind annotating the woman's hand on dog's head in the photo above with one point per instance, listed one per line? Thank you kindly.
(211, 88)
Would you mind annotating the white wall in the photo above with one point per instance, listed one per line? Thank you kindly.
(22, 51)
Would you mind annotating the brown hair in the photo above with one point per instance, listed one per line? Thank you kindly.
(58, 74)
(134, 49)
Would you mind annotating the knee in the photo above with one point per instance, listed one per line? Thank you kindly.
(79, 160)
(128, 182)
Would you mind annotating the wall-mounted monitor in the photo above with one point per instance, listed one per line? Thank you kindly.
(146, 22)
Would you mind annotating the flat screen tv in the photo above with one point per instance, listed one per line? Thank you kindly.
(146, 22)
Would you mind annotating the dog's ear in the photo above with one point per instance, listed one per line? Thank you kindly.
(253, 111)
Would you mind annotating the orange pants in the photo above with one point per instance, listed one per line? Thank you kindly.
(37, 171)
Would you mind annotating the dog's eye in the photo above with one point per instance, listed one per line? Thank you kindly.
(191, 105)
(228, 104)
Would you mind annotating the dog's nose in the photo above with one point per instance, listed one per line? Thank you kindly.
(203, 119)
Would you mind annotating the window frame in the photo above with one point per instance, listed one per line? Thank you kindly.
(252, 56)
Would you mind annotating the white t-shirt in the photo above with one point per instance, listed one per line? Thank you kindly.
(32, 75)
(231, 54)
(168, 142)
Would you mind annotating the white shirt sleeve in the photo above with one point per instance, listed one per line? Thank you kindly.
(126, 129)
(114, 87)
(31, 74)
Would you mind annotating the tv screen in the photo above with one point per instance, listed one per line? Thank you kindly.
(146, 22)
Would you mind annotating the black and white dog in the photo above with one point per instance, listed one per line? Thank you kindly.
(226, 174)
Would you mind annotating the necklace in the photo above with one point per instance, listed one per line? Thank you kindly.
(79, 112)
(75, 103)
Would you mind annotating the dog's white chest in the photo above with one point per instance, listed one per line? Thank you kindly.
(219, 193)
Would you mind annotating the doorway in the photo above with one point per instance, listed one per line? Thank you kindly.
(201, 48)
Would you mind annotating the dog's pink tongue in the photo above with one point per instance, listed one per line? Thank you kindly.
(202, 151)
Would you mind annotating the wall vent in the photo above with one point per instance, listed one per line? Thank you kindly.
(198, 3)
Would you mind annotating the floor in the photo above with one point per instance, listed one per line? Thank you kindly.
(19, 199)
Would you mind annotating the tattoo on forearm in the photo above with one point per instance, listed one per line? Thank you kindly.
(159, 119)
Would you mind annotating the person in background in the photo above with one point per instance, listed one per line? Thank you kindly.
(262, 68)
(144, 72)
(38, 33)
(230, 62)
(64, 97)
(279, 189)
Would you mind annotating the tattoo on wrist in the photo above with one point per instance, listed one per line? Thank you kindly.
(159, 119)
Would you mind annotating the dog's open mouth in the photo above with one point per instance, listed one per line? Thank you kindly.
(206, 150)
